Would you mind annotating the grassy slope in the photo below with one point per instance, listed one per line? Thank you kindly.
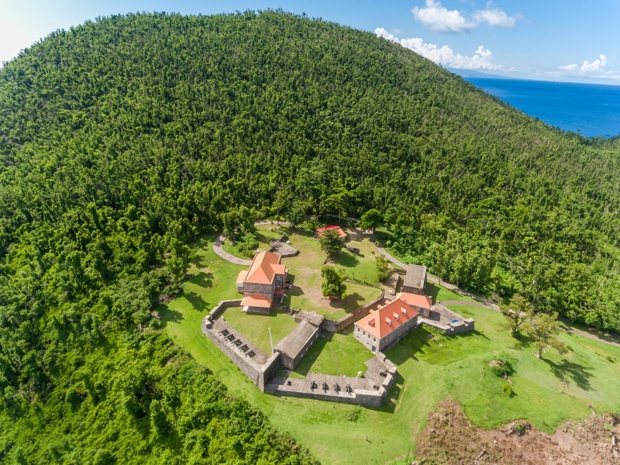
(430, 369)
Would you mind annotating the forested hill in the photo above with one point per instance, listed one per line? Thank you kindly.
(124, 139)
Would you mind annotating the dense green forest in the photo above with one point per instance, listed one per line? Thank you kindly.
(124, 139)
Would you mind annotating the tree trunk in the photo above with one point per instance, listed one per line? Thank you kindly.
(540, 353)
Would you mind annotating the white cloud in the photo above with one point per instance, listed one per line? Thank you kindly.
(596, 66)
(439, 19)
(494, 17)
(444, 55)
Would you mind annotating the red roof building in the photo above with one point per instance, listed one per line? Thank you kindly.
(384, 327)
(262, 282)
(338, 229)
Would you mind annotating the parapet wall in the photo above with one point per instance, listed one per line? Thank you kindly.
(370, 391)
(259, 368)
(221, 306)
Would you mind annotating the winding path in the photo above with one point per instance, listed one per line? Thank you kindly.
(217, 248)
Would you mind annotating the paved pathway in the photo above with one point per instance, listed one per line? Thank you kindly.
(217, 248)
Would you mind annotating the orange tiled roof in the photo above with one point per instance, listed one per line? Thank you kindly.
(338, 229)
(417, 300)
(264, 267)
(386, 319)
(256, 300)
(241, 276)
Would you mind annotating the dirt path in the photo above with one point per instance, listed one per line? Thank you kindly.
(217, 248)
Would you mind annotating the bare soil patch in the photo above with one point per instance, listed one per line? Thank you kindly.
(450, 438)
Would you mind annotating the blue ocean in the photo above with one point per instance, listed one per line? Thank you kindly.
(590, 109)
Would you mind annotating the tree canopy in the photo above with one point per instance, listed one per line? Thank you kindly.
(333, 283)
(126, 138)
(331, 243)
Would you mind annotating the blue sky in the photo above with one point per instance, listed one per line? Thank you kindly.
(570, 40)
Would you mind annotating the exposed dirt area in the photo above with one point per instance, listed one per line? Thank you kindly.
(450, 438)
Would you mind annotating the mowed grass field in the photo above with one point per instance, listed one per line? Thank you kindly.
(256, 327)
(340, 354)
(430, 368)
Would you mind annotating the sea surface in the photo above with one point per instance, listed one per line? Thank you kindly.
(590, 109)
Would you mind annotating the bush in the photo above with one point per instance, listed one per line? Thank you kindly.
(248, 245)
(503, 367)
(507, 388)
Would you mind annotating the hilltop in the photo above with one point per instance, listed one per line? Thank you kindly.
(125, 139)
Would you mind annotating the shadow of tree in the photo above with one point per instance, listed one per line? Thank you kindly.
(345, 258)
(202, 279)
(578, 373)
(523, 342)
(196, 300)
(168, 315)
(349, 304)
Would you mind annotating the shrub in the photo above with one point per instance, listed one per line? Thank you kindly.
(503, 367)
(248, 245)
(507, 388)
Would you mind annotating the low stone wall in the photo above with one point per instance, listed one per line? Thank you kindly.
(370, 391)
(269, 370)
(259, 368)
(249, 368)
(441, 318)
(336, 326)
(221, 306)
(467, 324)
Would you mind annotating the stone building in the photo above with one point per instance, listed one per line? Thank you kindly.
(415, 280)
(262, 283)
(295, 345)
(385, 326)
(421, 303)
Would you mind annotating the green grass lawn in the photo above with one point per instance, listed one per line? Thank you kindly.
(305, 271)
(340, 354)
(256, 327)
(440, 294)
(431, 368)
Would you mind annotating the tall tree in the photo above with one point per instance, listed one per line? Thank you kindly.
(371, 220)
(333, 283)
(517, 312)
(382, 267)
(331, 243)
(544, 328)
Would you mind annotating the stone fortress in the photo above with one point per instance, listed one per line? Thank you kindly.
(378, 326)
